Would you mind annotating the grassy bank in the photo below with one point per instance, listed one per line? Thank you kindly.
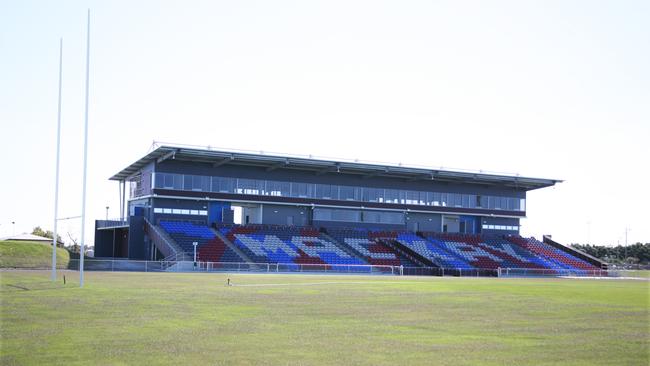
(22, 254)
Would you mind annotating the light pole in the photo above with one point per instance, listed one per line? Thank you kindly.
(13, 228)
(106, 213)
(627, 229)
(195, 244)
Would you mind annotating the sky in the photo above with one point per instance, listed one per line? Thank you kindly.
(550, 89)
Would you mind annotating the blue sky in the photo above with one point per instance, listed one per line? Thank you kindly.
(555, 89)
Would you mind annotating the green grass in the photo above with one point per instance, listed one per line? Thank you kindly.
(168, 318)
(637, 273)
(25, 254)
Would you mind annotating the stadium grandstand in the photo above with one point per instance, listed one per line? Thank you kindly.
(256, 208)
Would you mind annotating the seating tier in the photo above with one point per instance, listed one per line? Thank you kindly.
(287, 244)
(210, 248)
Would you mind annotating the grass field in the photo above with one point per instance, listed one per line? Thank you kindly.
(169, 318)
(26, 254)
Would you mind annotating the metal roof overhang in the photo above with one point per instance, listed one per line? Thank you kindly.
(318, 166)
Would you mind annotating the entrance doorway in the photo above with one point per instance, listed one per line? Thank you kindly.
(450, 224)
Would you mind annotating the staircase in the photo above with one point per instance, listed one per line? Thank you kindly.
(344, 247)
(231, 245)
(165, 244)
(407, 252)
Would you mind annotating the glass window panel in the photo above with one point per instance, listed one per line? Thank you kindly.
(437, 199)
(323, 191)
(249, 186)
(411, 197)
(178, 181)
(299, 189)
(169, 181)
(372, 194)
(515, 204)
(471, 201)
(392, 196)
(198, 183)
(422, 199)
(214, 184)
(275, 188)
(346, 193)
(444, 199)
(187, 182)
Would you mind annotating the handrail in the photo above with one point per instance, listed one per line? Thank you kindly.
(111, 223)
(546, 239)
(158, 237)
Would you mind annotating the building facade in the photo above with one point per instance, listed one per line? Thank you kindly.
(209, 186)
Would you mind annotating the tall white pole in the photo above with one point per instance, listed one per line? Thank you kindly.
(56, 181)
(83, 199)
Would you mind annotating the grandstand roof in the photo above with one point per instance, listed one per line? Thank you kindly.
(323, 166)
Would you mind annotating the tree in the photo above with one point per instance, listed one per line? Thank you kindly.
(48, 234)
(75, 247)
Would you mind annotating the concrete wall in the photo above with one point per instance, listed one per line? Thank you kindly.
(341, 224)
(277, 214)
(425, 222)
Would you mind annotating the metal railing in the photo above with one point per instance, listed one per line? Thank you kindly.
(160, 240)
(189, 266)
(560, 272)
(105, 224)
(126, 265)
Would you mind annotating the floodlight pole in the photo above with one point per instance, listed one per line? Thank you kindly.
(83, 199)
(56, 179)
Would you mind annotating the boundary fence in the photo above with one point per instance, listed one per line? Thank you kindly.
(126, 265)
(189, 266)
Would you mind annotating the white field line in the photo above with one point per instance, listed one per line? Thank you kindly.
(316, 283)
(606, 278)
